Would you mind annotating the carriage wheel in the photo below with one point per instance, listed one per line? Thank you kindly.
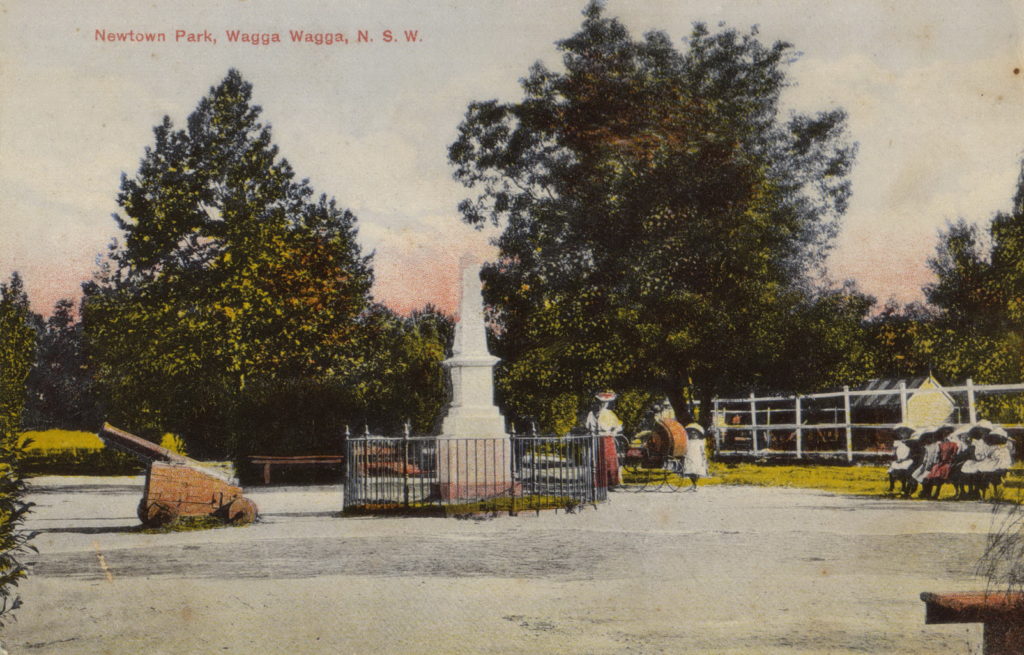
(242, 511)
(679, 482)
(156, 514)
(639, 468)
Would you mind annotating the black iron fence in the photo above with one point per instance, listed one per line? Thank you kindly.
(516, 473)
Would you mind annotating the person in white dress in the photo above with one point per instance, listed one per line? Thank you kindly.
(902, 458)
(968, 478)
(695, 461)
(931, 454)
(604, 424)
(992, 469)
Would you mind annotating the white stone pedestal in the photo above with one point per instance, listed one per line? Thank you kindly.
(474, 451)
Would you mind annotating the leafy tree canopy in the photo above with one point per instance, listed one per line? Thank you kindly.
(979, 293)
(662, 223)
(61, 391)
(230, 270)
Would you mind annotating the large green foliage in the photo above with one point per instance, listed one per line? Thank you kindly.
(662, 222)
(399, 379)
(900, 338)
(17, 350)
(61, 391)
(979, 292)
(230, 275)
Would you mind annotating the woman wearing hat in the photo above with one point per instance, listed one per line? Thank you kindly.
(603, 423)
(695, 461)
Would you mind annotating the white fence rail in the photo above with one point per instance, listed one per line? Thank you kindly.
(829, 417)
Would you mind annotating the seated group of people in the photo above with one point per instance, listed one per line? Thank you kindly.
(971, 457)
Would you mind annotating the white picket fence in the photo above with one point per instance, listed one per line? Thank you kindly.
(760, 411)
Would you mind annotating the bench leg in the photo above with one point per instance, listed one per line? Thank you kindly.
(1003, 637)
(266, 473)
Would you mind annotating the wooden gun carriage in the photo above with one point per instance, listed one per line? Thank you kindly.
(178, 486)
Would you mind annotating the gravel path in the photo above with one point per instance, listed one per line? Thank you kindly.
(726, 570)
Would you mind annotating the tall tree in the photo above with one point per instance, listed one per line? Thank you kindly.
(61, 392)
(899, 338)
(979, 292)
(17, 350)
(230, 271)
(662, 223)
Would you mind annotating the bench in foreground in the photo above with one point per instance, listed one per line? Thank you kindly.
(1001, 613)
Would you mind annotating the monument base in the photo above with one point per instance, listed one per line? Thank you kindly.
(474, 469)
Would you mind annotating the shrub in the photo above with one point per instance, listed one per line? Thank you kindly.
(173, 443)
(80, 461)
(17, 351)
(73, 452)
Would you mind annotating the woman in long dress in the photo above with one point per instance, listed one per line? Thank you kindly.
(695, 461)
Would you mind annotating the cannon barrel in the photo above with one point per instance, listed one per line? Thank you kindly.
(147, 451)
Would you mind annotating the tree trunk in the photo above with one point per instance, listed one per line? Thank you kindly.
(706, 407)
(674, 393)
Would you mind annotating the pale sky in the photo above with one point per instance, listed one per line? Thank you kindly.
(930, 88)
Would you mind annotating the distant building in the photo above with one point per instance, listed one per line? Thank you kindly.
(927, 402)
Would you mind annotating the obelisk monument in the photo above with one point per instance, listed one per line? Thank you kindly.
(474, 450)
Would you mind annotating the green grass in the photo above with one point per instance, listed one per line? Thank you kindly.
(190, 524)
(856, 480)
(481, 507)
(853, 480)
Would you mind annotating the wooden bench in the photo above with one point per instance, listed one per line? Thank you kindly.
(1001, 613)
(270, 461)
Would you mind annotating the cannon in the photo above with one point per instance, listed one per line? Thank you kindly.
(178, 486)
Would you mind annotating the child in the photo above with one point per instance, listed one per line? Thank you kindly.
(695, 461)
(930, 458)
(902, 458)
(967, 481)
(949, 446)
(992, 469)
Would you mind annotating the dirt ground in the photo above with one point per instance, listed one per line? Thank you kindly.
(725, 570)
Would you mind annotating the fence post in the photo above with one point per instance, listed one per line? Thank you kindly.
(715, 422)
(972, 411)
(903, 401)
(799, 431)
(849, 427)
(405, 463)
(753, 423)
(348, 463)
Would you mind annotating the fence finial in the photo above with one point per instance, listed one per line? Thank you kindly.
(347, 433)
(407, 427)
